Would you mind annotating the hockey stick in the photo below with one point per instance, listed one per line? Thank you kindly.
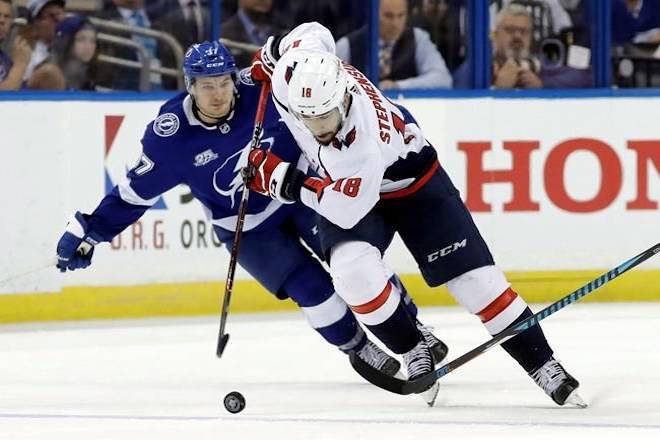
(399, 386)
(240, 220)
(25, 272)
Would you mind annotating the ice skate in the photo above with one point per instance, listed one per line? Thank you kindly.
(438, 348)
(419, 361)
(378, 359)
(558, 384)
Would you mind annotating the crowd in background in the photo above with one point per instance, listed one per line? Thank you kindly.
(422, 44)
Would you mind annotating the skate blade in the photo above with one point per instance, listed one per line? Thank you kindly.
(431, 394)
(575, 400)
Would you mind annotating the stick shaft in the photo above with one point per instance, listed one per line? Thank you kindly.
(551, 309)
(240, 221)
(44, 264)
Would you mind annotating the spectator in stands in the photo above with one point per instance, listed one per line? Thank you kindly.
(442, 20)
(14, 64)
(635, 21)
(187, 20)
(253, 23)
(580, 31)
(559, 18)
(339, 16)
(228, 8)
(74, 51)
(131, 13)
(43, 16)
(514, 64)
(407, 57)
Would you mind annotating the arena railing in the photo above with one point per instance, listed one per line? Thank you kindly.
(164, 37)
(144, 62)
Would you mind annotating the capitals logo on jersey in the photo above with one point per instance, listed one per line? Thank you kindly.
(227, 179)
(347, 141)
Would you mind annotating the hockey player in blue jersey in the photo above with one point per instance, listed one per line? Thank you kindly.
(201, 138)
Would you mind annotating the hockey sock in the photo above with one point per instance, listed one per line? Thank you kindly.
(530, 348)
(346, 333)
(398, 332)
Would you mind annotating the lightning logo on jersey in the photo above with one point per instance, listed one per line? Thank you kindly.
(220, 176)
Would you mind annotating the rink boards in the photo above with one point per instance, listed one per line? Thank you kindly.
(562, 189)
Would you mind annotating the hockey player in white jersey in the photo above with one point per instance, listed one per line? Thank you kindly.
(380, 176)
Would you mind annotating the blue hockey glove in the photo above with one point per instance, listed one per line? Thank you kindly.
(76, 246)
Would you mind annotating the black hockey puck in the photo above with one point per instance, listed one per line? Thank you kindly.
(234, 402)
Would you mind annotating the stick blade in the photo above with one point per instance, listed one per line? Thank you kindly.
(222, 342)
(389, 383)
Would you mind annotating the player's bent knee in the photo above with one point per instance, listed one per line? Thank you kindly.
(486, 293)
(310, 286)
(357, 270)
(362, 280)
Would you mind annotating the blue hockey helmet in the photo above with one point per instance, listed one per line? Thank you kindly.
(210, 58)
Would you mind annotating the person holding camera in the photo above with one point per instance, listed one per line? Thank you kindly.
(515, 64)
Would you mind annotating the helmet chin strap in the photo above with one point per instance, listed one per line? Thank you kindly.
(343, 111)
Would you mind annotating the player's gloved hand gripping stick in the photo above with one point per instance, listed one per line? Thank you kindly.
(76, 246)
(248, 174)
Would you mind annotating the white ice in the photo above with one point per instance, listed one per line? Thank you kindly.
(160, 379)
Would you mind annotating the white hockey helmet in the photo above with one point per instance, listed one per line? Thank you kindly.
(317, 85)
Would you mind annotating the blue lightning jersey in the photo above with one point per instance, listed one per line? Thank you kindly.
(180, 149)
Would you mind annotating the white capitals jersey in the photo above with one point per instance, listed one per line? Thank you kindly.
(371, 140)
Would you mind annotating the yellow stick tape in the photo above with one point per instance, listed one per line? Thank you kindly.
(189, 299)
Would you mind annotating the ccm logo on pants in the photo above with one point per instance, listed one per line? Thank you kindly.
(446, 250)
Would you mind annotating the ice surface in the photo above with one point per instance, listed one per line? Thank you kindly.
(160, 379)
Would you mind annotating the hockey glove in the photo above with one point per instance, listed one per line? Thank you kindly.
(270, 175)
(76, 246)
(265, 59)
